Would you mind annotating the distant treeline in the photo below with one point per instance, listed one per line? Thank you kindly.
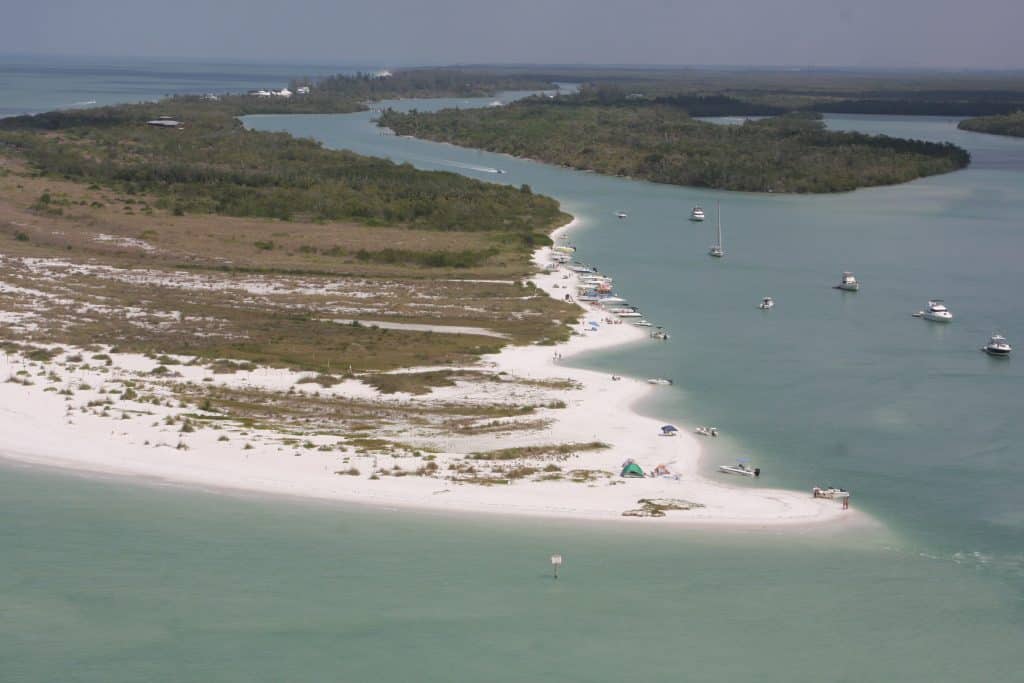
(758, 103)
(662, 143)
(1010, 124)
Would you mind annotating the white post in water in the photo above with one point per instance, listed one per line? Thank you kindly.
(556, 562)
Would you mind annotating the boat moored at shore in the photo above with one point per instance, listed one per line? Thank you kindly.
(740, 469)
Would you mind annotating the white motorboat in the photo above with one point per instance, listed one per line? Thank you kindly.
(608, 300)
(741, 469)
(660, 334)
(830, 492)
(662, 381)
(697, 215)
(848, 283)
(716, 249)
(621, 214)
(706, 431)
(642, 323)
(998, 346)
(630, 314)
(936, 312)
(766, 304)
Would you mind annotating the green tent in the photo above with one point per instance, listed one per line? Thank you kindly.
(631, 470)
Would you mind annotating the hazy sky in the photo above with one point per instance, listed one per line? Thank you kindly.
(907, 33)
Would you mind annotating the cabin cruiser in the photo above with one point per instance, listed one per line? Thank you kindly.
(660, 381)
(848, 283)
(766, 304)
(740, 468)
(998, 346)
(936, 312)
(697, 215)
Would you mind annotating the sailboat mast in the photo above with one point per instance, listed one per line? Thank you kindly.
(718, 210)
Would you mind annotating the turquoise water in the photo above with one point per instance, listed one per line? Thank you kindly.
(105, 581)
(111, 582)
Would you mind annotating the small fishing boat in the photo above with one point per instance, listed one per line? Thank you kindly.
(766, 304)
(697, 215)
(848, 283)
(830, 492)
(741, 469)
(936, 312)
(661, 381)
(998, 346)
(660, 334)
(716, 249)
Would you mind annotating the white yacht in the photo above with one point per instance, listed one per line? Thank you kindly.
(767, 304)
(936, 312)
(997, 346)
(697, 215)
(740, 468)
(659, 380)
(848, 283)
(716, 250)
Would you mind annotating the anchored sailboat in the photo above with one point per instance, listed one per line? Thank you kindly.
(717, 250)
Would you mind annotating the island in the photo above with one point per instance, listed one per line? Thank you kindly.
(659, 141)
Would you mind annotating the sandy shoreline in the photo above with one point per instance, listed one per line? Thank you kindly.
(44, 426)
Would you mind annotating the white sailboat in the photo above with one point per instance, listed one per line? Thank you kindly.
(717, 251)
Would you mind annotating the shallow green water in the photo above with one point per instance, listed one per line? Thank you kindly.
(110, 582)
(105, 581)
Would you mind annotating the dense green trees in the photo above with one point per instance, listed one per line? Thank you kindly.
(660, 142)
(214, 165)
(1010, 124)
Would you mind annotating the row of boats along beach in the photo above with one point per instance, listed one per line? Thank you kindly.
(594, 291)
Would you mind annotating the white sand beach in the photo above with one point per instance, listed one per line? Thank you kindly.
(89, 429)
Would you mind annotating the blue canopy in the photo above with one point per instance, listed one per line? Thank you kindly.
(669, 428)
